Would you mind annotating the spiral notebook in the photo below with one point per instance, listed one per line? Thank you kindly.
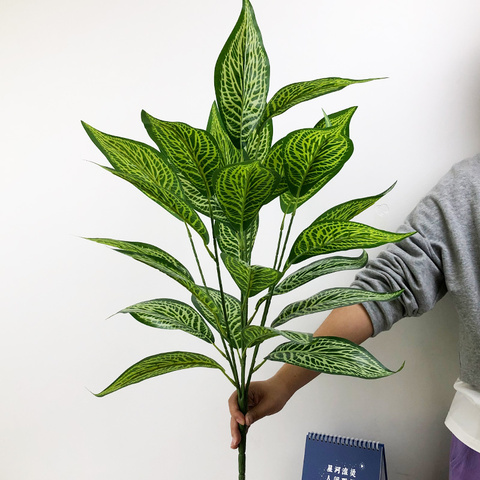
(329, 457)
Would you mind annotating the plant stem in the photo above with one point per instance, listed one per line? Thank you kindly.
(242, 453)
(268, 299)
(242, 447)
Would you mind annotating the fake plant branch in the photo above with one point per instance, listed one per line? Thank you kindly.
(224, 176)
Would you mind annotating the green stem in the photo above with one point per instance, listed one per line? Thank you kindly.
(216, 258)
(268, 301)
(197, 260)
(229, 357)
(242, 453)
(289, 230)
(242, 447)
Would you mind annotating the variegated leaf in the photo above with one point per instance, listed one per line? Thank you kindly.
(215, 127)
(169, 314)
(274, 161)
(330, 299)
(312, 157)
(178, 206)
(317, 269)
(159, 365)
(242, 190)
(162, 261)
(207, 206)
(233, 313)
(191, 150)
(250, 279)
(255, 335)
(136, 159)
(329, 237)
(339, 120)
(242, 75)
(299, 92)
(258, 146)
(154, 256)
(348, 210)
(332, 355)
(229, 242)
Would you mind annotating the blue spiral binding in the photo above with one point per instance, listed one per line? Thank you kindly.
(339, 440)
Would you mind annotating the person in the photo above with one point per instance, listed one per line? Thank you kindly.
(443, 256)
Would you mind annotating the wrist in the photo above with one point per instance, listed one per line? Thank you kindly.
(291, 378)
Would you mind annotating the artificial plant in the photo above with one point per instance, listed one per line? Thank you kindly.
(216, 182)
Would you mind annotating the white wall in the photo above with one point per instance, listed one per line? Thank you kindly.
(102, 62)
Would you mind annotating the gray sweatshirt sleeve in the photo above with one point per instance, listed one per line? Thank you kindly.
(416, 264)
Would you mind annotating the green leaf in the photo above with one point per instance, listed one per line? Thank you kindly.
(207, 206)
(169, 314)
(348, 210)
(317, 269)
(330, 299)
(326, 119)
(329, 237)
(339, 120)
(159, 365)
(296, 93)
(148, 254)
(250, 279)
(215, 127)
(242, 190)
(162, 261)
(229, 242)
(274, 161)
(233, 314)
(242, 74)
(179, 207)
(191, 150)
(136, 160)
(312, 157)
(255, 335)
(332, 355)
(258, 146)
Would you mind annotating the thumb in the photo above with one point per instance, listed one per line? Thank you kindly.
(255, 413)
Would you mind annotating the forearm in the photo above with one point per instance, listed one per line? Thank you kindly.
(351, 323)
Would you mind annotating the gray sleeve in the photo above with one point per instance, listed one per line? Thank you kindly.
(413, 265)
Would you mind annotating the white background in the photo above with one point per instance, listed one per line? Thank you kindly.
(102, 62)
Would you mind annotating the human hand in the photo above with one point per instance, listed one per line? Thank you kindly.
(264, 398)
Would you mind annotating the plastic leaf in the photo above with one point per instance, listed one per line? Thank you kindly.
(242, 190)
(348, 210)
(159, 365)
(162, 261)
(169, 314)
(330, 299)
(255, 335)
(241, 79)
(259, 145)
(299, 92)
(191, 150)
(338, 120)
(331, 355)
(233, 313)
(136, 159)
(329, 237)
(207, 206)
(215, 127)
(312, 157)
(251, 279)
(317, 269)
(177, 205)
(274, 161)
(228, 239)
